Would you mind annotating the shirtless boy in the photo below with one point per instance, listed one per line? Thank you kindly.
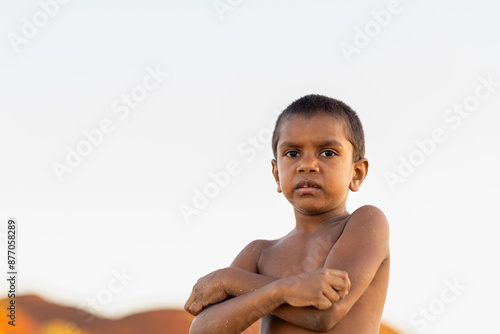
(330, 273)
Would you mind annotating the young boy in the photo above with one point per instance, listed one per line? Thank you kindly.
(330, 273)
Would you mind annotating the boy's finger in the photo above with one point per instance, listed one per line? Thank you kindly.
(338, 283)
(190, 312)
(338, 273)
(342, 293)
(323, 304)
(340, 286)
(332, 295)
(190, 300)
(195, 308)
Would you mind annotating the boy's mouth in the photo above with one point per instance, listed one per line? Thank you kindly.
(307, 185)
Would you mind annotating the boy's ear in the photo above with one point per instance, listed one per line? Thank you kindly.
(360, 169)
(274, 163)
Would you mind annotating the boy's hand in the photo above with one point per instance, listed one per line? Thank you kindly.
(208, 290)
(321, 288)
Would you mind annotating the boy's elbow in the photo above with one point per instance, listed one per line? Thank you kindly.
(195, 327)
(326, 323)
(192, 329)
(327, 320)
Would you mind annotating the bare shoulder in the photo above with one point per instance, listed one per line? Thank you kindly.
(370, 219)
(259, 245)
(248, 258)
(367, 228)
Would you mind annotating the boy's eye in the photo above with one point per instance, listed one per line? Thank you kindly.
(291, 154)
(328, 153)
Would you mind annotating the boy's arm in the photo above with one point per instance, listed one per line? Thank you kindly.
(360, 251)
(236, 314)
(223, 283)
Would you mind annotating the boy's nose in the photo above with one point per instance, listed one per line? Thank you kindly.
(308, 165)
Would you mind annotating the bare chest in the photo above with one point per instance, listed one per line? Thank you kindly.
(295, 254)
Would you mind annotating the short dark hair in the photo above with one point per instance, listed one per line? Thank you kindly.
(311, 105)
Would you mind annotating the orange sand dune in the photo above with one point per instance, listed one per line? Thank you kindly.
(37, 316)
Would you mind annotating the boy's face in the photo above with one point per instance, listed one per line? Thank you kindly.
(314, 167)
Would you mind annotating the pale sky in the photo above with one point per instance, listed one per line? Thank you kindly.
(160, 98)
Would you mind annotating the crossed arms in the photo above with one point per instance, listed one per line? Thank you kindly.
(231, 299)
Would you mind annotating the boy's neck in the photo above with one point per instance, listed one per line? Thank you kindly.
(312, 222)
